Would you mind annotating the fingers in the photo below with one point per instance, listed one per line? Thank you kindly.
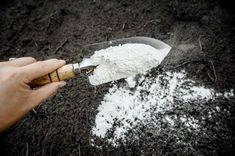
(19, 62)
(42, 93)
(41, 68)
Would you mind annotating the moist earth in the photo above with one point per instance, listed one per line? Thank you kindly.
(200, 32)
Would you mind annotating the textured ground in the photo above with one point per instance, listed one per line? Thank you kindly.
(201, 33)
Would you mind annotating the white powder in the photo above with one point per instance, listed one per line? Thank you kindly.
(124, 61)
(151, 98)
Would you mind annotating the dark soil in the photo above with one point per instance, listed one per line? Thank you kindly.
(200, 32)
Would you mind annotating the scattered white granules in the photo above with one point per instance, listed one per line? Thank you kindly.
(124, 61)
(147, 101)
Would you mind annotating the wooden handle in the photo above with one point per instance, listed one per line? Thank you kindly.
(63, 73)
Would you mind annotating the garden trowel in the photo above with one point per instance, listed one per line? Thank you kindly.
(86, 66)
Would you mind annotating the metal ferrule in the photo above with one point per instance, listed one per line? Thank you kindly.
(85, 67)
(76, 68)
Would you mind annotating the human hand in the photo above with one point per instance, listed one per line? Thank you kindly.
(16, 96)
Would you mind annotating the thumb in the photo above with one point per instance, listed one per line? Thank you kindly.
(44, 92)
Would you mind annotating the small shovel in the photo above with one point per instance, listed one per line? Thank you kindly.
(86, 67)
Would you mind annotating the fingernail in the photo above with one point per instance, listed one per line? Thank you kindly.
(62, 84)
(62, 61)
(12, 59)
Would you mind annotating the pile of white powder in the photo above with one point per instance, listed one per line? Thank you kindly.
(124, 61)
(142, 100)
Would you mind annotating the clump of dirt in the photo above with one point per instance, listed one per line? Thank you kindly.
(200, 32)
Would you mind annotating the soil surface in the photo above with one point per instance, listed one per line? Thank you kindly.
(200, 32)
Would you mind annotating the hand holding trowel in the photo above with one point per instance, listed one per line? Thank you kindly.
(87, 66)
(104, 62)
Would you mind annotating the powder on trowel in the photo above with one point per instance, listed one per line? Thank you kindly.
(123, 61)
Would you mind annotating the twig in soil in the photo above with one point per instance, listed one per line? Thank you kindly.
(212, 79)
(49, 22)
(151, 21)
(35, 43)
(46, 136)
(58, 48)
(214, 72)
(35, 112)
(79, 150)
(210, 61)
(27, 149)
(199, 42)
(200, 45)
(182, 64)
(123, 26)
(133, 142)
(82, 100)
